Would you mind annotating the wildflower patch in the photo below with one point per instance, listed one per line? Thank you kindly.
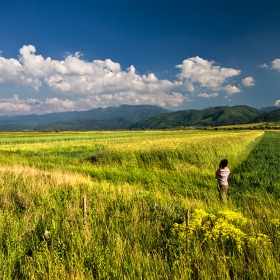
(224, 228)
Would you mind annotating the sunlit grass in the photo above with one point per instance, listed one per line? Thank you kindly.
(138, 186)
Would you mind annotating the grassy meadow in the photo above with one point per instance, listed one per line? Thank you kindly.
(138, 186)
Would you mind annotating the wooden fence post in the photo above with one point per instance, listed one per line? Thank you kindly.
(187, 233)
(85, 212)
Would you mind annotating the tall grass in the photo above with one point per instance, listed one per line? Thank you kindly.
(171, 160)
(138, 186)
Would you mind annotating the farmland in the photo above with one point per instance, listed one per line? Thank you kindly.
(138, 186)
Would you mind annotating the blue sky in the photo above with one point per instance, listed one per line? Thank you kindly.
(77, 55)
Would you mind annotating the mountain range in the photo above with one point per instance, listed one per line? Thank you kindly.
(125, 117)
(110, 118)
(213, 116)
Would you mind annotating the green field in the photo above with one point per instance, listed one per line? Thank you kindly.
(138, 186)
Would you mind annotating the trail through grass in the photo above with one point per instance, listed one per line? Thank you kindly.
(259, 173)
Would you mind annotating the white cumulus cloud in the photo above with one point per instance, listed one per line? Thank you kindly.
(276, 64)
(17, 106)
(205, 73)
(248, 82)
(231, 89)
(104, 83)
(207, 95)
(97, 80)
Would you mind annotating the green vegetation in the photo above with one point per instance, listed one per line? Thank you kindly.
(138, 186)
(214, 116)
(273, 116)
(140, 117)
(251, 126)
(254, 171)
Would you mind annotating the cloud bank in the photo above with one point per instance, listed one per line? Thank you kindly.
(82, 85)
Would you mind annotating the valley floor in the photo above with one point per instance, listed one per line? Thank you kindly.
(138, 186)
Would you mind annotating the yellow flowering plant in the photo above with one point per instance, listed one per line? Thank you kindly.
(275, 223)
(224, 228)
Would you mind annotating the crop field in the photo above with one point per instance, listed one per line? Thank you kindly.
(138, 186)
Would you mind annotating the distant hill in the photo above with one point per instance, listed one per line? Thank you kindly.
(270, 108)
(214, 116)
(87, 124)
(120, 116)
(138, 117)
(134, 113)
(33, 120)
(271, 116)
(15, 127)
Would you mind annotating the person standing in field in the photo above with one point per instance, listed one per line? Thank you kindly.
(222, 175)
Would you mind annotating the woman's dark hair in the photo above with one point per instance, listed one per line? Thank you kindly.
(224, 163)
